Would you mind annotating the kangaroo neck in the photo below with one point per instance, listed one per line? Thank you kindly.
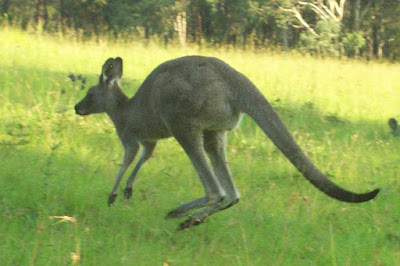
(117, 110)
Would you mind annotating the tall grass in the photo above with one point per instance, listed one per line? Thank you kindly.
(57, 169)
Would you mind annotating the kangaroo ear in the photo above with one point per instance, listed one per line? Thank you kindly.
(111, 71)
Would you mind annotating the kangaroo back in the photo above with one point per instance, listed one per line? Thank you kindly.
(253, 103)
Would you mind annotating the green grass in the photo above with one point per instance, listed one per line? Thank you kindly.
(54, 163)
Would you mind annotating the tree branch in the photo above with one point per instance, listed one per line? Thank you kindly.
(301, 20)
(315, 8)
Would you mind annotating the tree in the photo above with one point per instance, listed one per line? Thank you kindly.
(230, 20)
(5, 5)
(322, 37)
(359, 27)
(269, 20)
(119, 16)
(199, 20)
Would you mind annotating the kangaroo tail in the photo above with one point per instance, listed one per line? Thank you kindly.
(253, 103)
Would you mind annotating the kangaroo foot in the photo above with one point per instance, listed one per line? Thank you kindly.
(127, 193)
(111, 199)
(200, 216)
(185, 208)
(176, 213)
(192, 221)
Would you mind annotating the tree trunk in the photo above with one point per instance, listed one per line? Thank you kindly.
(63, 16)
(285, 38)
(4, 7)
(180, 27)
(38, 11)
(377, 33)
(199, 32)
(357, 12)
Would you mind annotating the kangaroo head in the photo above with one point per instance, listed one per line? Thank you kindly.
(102, 97)
(393, 124)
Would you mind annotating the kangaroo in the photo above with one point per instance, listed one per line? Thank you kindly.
(394, 126)
(196, 100)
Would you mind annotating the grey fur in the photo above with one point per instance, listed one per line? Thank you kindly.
(196, 100)
(394, 126)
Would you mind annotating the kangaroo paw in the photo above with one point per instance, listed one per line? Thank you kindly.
(127, 193)
(111, 199)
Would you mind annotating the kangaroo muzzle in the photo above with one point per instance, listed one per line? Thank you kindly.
(79, 110)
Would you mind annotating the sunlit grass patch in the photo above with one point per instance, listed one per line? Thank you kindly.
(56, 164)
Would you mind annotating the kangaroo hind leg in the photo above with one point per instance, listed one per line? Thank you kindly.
(215, 146)
(191, 139)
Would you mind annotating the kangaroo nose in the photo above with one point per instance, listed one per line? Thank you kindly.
(77, 110)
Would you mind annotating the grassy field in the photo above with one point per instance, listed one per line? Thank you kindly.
(57, 169)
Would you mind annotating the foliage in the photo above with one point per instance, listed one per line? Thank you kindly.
(326, 42)
(353, 43)
(243, 23)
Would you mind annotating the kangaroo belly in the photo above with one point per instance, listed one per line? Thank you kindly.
(222, 121)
